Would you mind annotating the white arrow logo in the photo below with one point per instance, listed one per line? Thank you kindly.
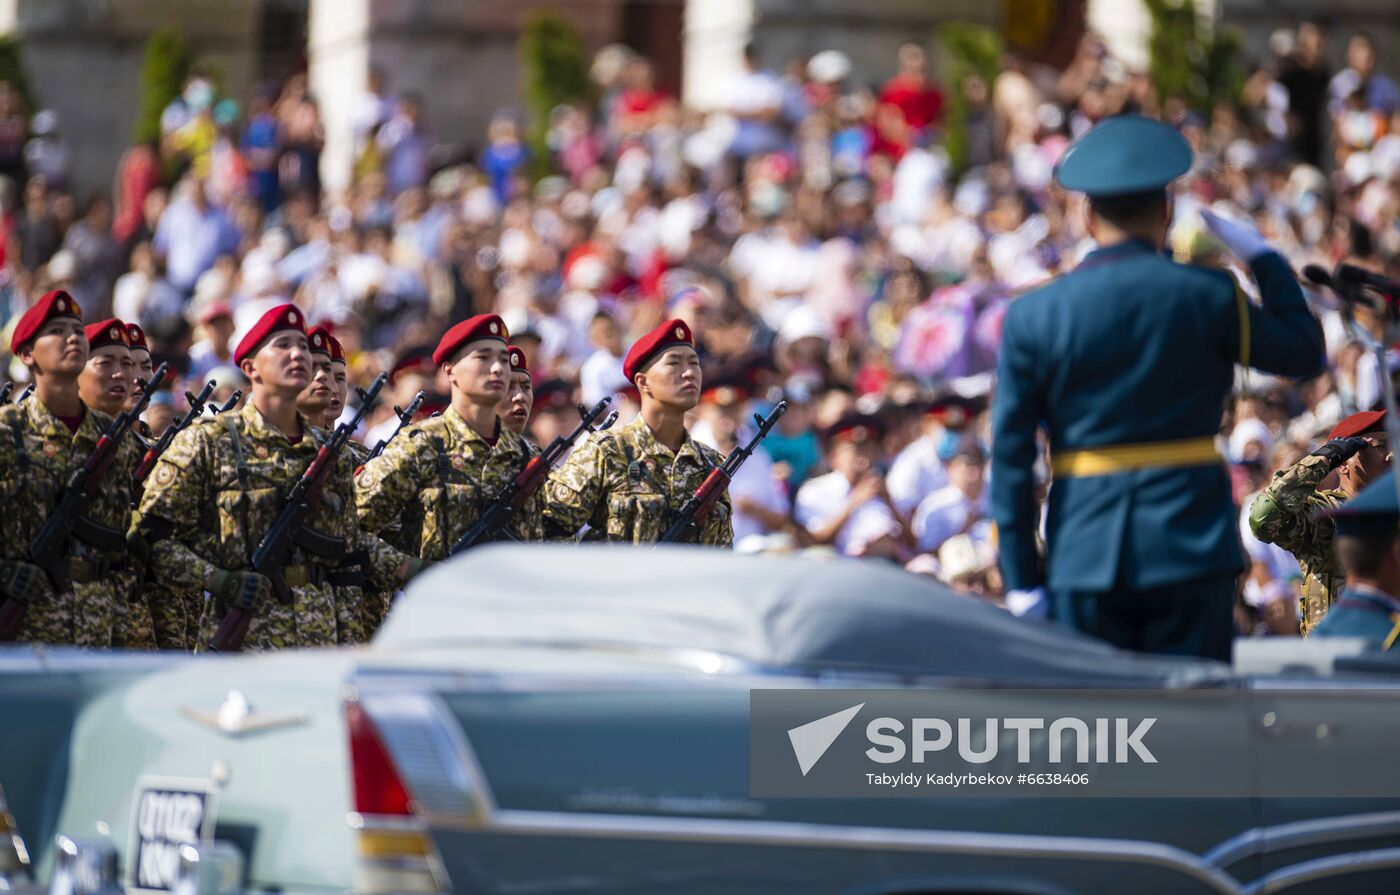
(811, 740)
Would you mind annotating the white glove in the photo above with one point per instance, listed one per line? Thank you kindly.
(1028, 603)
(1243, 241)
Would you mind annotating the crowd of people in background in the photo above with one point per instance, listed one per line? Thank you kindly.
(813, 231)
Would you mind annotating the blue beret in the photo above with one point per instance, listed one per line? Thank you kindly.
(1122, 155)
(1375, 511)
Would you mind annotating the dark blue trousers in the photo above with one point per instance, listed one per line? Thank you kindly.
(1190, 618)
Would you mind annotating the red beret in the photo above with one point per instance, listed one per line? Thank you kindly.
(672, 332)
(482, 326)
(107, 332)
(337, 351)
(1361, 423)
(319, 339)
(279, 318)
(53, 305)
(415, 360)
(518, 364)
(136, 337)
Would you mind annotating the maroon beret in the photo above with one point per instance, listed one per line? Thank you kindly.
(106, 333)
(53, 305)
(415, 360)
(518, 364)
(672, 332)
(136, 337)
(337, 351)
(482, 326)
(282, 317)
(319, 340)
(1362, 423)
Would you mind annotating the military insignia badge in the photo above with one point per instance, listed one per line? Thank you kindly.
(164, 474)
(260, 451)
(459, 462)
(50, 449)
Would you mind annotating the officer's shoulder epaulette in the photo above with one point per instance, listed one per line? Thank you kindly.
(1223, 277)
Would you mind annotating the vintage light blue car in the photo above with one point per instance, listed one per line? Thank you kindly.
(541, 719)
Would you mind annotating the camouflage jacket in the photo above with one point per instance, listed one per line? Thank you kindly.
(1286, 514)
(38, 455)
(434, 479)
(212, 498)
(627, 486)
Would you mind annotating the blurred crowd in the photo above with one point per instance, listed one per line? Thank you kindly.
(814, 232)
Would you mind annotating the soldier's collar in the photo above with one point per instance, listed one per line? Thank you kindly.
(1131, 245)
(257, 426)
(650, 444)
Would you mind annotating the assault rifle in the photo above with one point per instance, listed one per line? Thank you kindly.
(49, 549)
(686, 525)
(197, 403)
(5, 392)
(231, 402)
(513, 496)
(405, 416)
(290, 529)
(28, 390)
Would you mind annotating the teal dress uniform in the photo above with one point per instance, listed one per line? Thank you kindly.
(1126, 363)
(1362, 612)
(1365, 609)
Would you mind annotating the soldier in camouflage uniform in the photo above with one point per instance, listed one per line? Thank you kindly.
(222, 483)
(108, 384)
(436, 476)
(626, 484)
(322, 403)
(1289, 512)
(42, 443)
(514, 409)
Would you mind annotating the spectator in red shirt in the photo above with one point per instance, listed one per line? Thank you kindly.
(914, 93)
(640, 103)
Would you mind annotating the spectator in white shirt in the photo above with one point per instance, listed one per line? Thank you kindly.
(760, 500)
(834, 507)
(918, 470)
(955, 508)
(601, 375)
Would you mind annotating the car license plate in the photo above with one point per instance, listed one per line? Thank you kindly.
(167, 814)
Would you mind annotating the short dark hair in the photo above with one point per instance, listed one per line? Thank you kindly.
(1128, 209)
(1363, 554)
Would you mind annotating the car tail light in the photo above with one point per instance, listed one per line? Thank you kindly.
(14, 857)
(395, 852)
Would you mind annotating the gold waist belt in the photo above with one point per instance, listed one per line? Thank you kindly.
(1113, 458)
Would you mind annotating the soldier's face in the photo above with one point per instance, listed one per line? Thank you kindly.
(107, 380)
(673, 379)
(316, 399)
(514, 409)
(340, 387)
(482, 372)
(60, 348)
(141, 368)
(283, 363)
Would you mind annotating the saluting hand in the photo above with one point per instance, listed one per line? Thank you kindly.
(1240, 237)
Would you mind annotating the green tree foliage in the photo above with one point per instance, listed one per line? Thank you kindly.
(1189, 60)
(12, 69)
(554, 65)
(167, 61)
(968, 50)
